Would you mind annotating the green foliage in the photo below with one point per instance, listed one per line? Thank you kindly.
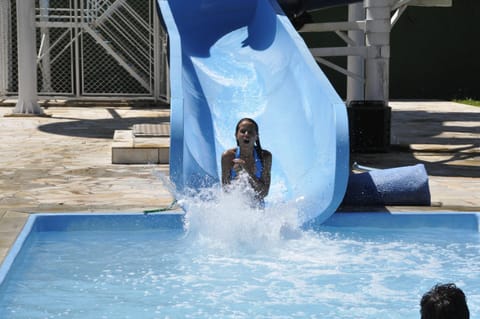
(469, 102)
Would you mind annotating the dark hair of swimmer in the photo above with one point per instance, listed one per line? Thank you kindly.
(444, 301)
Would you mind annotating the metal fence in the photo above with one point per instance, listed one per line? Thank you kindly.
(90, 48)
(5, 46)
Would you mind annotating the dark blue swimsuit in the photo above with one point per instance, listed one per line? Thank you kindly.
(258, 164)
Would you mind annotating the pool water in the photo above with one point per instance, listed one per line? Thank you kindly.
(137, 266)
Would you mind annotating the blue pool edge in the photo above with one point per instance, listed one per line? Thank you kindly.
(16, 247)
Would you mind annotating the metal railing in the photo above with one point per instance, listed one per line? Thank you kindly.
(93, 48)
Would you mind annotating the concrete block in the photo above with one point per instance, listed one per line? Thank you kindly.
(164, 155)
(151, 142)
(122, 139)
(130, 149)
(135, 156)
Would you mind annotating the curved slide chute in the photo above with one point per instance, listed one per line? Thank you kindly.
(231, 59)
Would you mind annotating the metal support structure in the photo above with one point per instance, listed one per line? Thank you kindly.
(377, 37)
(367, 48)
(79, 38)
(355, 64)
(45, 44)
(76, 47)
(160, 71)
(27, 60)
(367, 45)
(84, 49)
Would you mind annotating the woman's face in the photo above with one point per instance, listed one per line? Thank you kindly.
(246, 134)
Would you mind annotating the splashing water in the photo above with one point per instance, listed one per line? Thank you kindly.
(231, 219)
(165, 181)
(243, 262)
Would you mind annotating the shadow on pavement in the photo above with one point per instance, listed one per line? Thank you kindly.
(96, 128)
(447, 143)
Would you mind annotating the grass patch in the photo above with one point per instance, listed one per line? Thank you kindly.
(468, 102)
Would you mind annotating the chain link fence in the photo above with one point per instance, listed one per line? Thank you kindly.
(90, 48)
(4, 40)
(55, 47)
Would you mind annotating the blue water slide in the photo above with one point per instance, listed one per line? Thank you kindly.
(231, 59)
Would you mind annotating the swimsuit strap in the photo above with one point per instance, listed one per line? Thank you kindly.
(258, 164)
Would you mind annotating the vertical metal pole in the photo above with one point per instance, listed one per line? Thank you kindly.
(45, 33)
(4, 36)
(76, 17)
(157, 79)
(27, 65)
(378, 47)
(72, 47)
(161, 63)
(355, 64)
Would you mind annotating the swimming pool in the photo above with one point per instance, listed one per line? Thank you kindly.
(357, 265)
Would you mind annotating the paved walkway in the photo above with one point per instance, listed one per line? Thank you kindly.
(62, 163)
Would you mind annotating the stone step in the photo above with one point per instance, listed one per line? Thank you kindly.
(144, 144)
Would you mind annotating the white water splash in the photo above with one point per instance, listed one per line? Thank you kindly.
(230, 219)
(165, 181)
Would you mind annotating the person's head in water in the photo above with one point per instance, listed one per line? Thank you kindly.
(444, 301)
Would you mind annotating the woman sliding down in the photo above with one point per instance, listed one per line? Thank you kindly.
(248, 159)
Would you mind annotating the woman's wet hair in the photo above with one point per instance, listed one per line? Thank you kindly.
(257, 145)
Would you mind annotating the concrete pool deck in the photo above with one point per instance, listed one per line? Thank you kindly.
(63, 163)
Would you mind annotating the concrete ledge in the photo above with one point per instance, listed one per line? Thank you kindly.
(128, 149)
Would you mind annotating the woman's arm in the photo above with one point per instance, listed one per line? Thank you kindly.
(260, 185)
(227, 165)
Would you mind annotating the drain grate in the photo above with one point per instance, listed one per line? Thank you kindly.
(151, 130)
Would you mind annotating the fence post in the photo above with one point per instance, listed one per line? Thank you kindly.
(27, 65)
(4, 43)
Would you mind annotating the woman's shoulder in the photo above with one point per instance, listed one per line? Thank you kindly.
(267, 157)
(229, 153)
